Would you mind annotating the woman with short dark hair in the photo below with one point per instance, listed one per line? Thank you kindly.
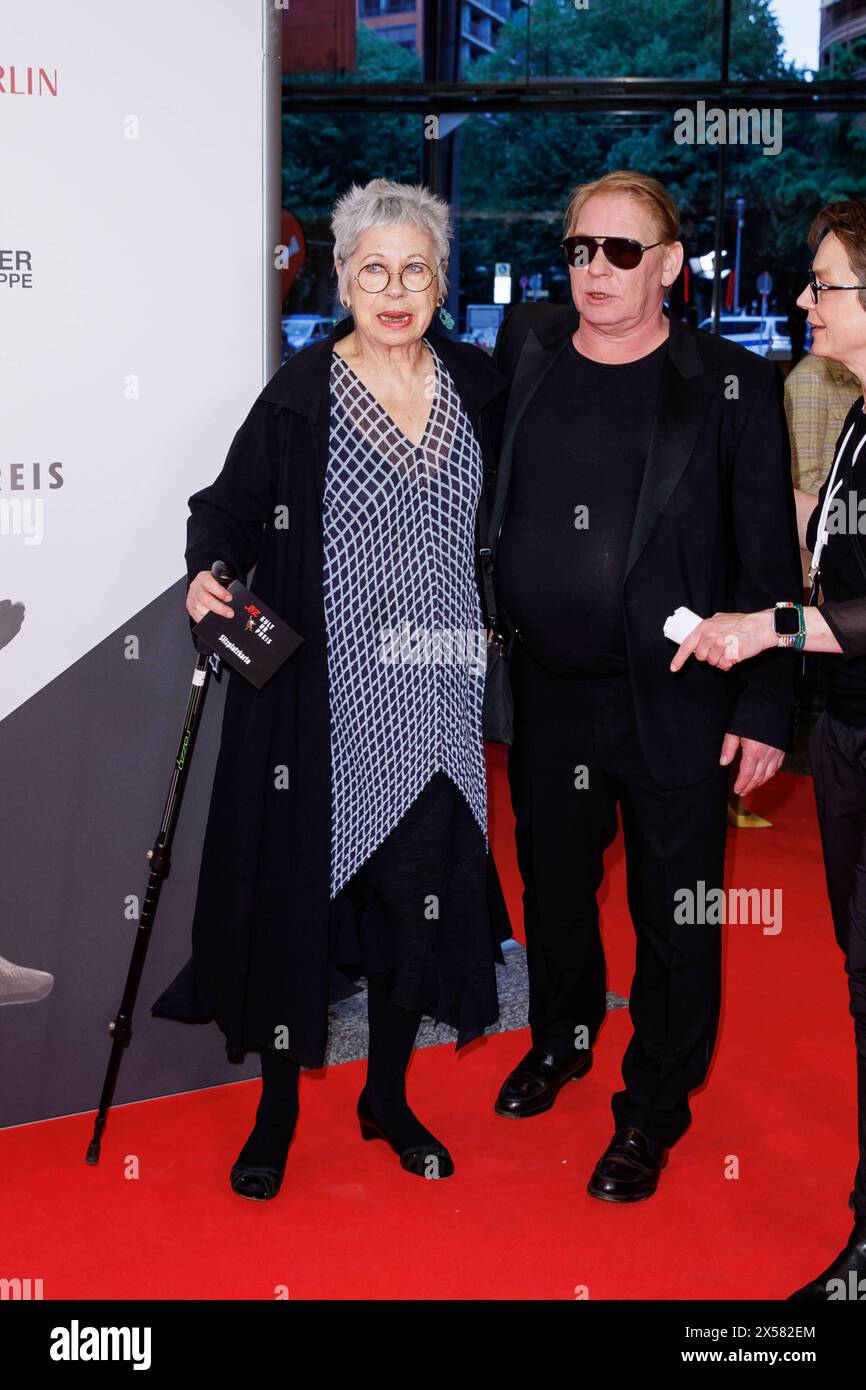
(836, 302)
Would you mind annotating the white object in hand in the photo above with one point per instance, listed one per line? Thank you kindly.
(678, 626)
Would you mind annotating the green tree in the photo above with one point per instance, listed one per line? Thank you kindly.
(323, 155)
(518, 168)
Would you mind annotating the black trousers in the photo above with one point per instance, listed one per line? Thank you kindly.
(838, 755)
(575, 756)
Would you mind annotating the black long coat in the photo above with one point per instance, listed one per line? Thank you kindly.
(260, 934)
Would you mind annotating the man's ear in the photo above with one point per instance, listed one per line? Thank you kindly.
(672, 263)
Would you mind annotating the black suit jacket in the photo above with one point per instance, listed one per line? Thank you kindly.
(714, 530)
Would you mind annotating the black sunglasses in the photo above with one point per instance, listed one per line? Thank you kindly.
(816, 286)
(622, 251)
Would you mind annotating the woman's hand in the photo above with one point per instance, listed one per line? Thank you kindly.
(204, 595)
(727, 638)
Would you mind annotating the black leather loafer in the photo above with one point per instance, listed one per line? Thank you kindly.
(536, 1081)
(629, 1168)
(848, 1270)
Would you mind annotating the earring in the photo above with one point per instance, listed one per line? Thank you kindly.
(444, 315)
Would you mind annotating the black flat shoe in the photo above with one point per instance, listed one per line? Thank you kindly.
(536, 1081)
(425, 1160)
(845, 1278)
(258, 1182)
(629, 1168)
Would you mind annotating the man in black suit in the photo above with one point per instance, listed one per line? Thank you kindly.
(645, 466)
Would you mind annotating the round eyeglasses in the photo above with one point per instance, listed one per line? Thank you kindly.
(415, 276)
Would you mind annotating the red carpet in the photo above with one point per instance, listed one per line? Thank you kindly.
(515, 1221)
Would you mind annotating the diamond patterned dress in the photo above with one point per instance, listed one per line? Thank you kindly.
(405, 631)
(415, 893)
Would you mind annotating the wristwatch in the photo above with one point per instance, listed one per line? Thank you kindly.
(789, 625)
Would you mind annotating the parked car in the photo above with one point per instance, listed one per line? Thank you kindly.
(767, 337)
(482, 325)
(300, 330)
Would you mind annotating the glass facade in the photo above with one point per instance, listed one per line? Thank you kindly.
(503, 107)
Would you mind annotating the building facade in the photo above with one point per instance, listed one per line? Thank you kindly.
(843, 22)
(402, 22)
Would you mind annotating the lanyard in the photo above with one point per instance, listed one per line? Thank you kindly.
(832, 488)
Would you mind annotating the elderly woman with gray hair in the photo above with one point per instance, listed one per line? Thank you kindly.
(347, 826)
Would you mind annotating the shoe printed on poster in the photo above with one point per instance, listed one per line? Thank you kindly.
(21, 985)
(11, 618)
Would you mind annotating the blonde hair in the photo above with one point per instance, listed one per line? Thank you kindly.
(642, 187)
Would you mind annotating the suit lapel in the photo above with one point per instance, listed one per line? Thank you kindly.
(685, 399)
(534, 362)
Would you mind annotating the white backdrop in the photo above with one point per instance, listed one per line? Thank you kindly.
(139, 188)
(135, 199)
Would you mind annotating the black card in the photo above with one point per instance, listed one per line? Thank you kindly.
(254, 641)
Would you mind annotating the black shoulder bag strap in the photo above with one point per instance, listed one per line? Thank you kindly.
(485, 555)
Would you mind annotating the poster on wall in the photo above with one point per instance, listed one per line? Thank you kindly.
(131, 304)
(139, 319)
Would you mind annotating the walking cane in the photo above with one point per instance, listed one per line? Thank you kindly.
(159, 856)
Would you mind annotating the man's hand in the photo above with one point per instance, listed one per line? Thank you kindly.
(758, 762)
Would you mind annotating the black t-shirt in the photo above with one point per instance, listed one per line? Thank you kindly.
(579, 458)
(843, 568)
